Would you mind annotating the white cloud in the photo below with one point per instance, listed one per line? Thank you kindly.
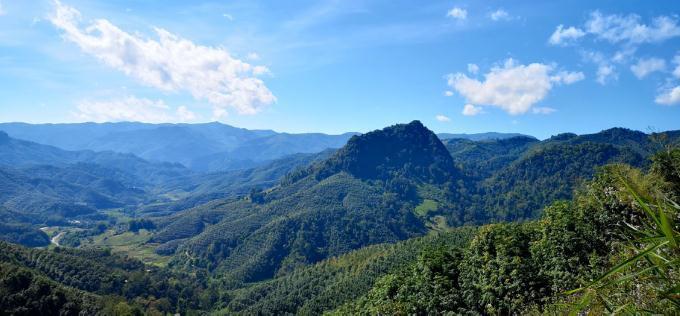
(457, 13)
(499, 15)
(2, 10)
(676, 61)
(448, 93)
(564, 36)
(669, 97)
(471, 110)
(567, 77)
(442, 118)
(473, 68)
(228, 16)
(543, 110)
(624, 55)
(616, 28)
(253, 56)
(170, 63)
(513, 87)
(131, 109)
(645, 67)
(606, 73)
(184, 115)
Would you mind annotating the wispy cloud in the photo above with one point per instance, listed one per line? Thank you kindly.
(616, 28)
(471, 110)
(669, 96)
(624, 32)
(565, 36)
(442, 118)
(543, 110)
(2, 9)
(473, 68)
(606, 71)
(500, 15)
(253, 56)
(170, 63)
(131, 108)
(647, 66)
(457, 13)
(513, 87)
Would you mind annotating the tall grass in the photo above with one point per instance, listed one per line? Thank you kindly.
(645, 277)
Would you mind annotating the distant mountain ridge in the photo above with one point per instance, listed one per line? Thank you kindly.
(16, 153)
(48, 185)
(204, 147)
(481, 136)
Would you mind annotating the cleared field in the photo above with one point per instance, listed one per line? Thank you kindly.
(132, 244)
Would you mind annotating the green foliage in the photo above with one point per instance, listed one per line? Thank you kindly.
(24, 234)
(332, 217)
(646, 270)
(616, 241)
(102, 273)
(481, 159)
(547, 174)
(407, 150)
(667, 166)
(137, 224)
(429, 286)
(333, 282)
(498, 275)
(23, 292)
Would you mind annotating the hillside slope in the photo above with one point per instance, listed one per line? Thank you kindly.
(364, 194)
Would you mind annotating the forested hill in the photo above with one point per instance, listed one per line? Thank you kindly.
(364, 194)
(385, 186)
(407, 150)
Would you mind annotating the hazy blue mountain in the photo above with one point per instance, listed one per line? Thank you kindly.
(16, 153)
(45, 185)
(68, 136)
(206, 147)
(480, 136)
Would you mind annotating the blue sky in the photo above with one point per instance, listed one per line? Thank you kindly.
(336, 66)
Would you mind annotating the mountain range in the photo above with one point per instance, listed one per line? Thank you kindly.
(202, 147)
(317, 227)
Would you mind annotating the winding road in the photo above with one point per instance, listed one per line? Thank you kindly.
(55, 239)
